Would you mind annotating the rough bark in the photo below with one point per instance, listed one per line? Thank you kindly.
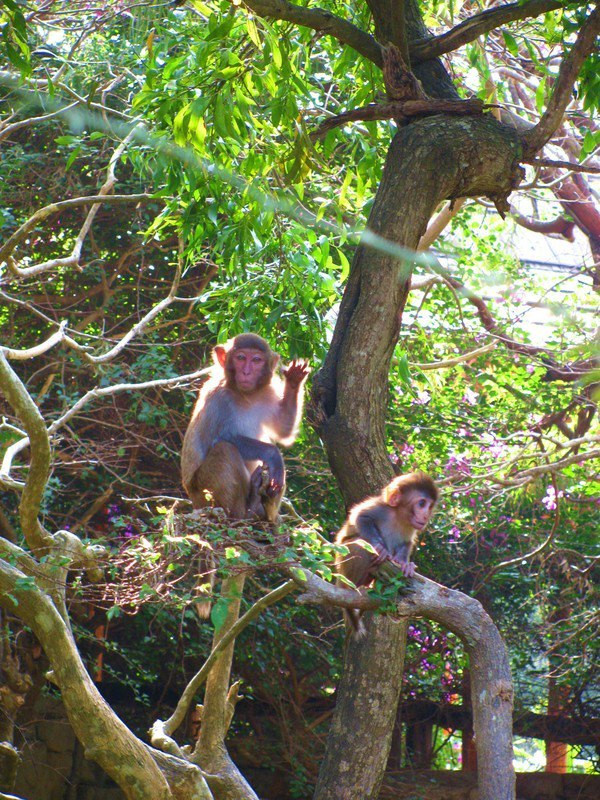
(104, 736)
(368, 693)
(491, 682)
(369, 689)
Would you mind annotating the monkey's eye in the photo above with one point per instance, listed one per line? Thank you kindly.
(422, 503)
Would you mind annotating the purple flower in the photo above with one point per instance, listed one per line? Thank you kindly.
(550, 500)
(454, 535)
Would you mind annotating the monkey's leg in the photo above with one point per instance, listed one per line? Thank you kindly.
(272, 496)
(221, 480)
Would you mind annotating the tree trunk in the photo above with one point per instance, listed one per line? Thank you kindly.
(429, 161)
(356, 754)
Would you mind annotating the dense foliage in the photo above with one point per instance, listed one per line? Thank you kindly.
(247, 223)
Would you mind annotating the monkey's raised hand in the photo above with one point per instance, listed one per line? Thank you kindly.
(296, 373)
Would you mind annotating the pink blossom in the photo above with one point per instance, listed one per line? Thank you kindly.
(550, 500)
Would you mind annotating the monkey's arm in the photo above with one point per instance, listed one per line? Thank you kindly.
(367, 527)
(290, 406)
(255, 450)
(401, 556)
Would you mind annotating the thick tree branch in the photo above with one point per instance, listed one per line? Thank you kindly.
(557, 227)
(470, 29)
(108, 741)
(535, 138)
(39, 466)
(320, 20)
(401, 111)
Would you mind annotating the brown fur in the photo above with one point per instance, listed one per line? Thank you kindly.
(387, 522)
(229, 458)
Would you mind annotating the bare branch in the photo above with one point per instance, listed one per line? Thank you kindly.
(55, 208)
(557, 227)
(452, 362)
(535, 138)
(568, 372)
(105, 391)
(401, 111)
(39, 349)
(440, 222)
(170, 725)
(570, 165)
(477, 25)
(7, 131)
(140, 326)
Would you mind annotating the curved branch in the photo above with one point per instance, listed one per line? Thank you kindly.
(491, 687)
(559, 226)
(320, 20)
(55, 208)
(470, 29)
(108, 741)
(27, 411)
(535, 138)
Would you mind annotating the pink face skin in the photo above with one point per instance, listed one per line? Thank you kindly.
(249, 365)
(416, 508)
(421, 510)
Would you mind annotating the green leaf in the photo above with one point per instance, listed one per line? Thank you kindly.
(590, 142)
(404, 370)
(253, 32)
(511, 43)
(540, 94)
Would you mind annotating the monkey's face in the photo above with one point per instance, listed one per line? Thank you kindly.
(250, 369)
(413, 507)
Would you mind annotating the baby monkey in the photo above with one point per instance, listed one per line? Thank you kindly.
(390, 523)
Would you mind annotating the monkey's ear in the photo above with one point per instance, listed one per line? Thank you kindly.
(220, 355)
(274, 361)
(394, 498)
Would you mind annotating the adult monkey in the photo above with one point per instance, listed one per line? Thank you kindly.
(229, 458)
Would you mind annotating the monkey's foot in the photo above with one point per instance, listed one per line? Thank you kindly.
(259, 480)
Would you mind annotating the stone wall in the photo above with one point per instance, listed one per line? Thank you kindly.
(52, 763)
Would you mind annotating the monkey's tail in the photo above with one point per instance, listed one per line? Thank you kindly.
(354, 624)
